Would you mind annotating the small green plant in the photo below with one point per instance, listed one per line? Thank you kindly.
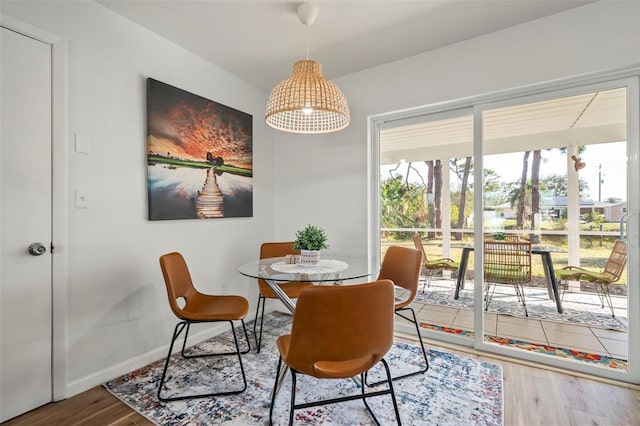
(310, 238)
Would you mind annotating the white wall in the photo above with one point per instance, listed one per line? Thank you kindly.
(325, 181)
(118, 317)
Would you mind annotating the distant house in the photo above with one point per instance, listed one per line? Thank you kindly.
(507, 211)
(612, 212)
(557, 208)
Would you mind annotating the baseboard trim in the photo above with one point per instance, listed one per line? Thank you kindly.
(100, 377)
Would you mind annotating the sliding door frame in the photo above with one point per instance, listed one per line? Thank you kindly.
(629, 78)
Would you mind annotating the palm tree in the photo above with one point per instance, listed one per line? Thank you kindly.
(463, 192)
(521, 194)
(431, 212)
(535, 193)
(535, 187)
(437, 192)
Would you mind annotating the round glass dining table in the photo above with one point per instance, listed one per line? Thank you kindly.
(332, 270)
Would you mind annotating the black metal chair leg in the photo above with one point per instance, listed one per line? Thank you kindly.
(189, 356)
(293, 396)
(363, 396)
(519, 288)
(424, 351)
(235, 339)
(393, 394)
(606, 296)
(274, 393)
(255, 322)
(389, 381)
(176, 333)
(364, 399)
(246, 336)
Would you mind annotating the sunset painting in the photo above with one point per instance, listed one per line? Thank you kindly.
(199, 156)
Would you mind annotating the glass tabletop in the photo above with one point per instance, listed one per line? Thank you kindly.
(329, 270)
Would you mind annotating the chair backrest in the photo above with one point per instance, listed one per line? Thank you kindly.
(277, 249)
(617, 261)
(178, 281)
(340, 323)
(417, 242)
(274, 249)
(402, 266)
(507, 262)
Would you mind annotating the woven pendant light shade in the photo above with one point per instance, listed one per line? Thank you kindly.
(306, 102)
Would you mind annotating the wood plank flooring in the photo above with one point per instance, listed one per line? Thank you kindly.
(532, 396)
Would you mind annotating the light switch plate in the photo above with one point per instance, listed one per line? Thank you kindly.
(83, 199)
(82, 144)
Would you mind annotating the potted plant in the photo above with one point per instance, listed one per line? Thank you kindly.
(310, 241)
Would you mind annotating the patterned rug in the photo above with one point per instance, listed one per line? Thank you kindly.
(603, 360)
(454, 391)
(579, 308)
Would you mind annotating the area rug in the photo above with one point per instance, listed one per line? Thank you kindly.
(580, 309)
(593, 358)
(454, 391)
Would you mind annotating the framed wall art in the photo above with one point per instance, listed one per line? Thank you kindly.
(199, 156)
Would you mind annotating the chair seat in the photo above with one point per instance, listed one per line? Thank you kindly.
(202, 307)
(506, 274)
(442, 264)
(343, 369)
(328, 369)
(292, 290)
(573, 273)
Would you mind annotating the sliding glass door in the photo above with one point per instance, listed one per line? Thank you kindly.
(426, 199)
(530, 194)
(553, 207)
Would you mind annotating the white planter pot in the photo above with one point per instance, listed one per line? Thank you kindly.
(309, 257)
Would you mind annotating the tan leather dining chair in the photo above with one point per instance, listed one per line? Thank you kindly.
(198, 308)
(401, 265)
(291, 289)
(339, 332)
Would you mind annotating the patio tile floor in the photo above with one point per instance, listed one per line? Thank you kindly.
(570, 336)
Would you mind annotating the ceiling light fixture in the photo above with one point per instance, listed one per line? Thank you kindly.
(306, 102)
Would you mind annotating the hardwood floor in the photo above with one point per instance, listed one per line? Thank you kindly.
(532, 396)
(95, 407)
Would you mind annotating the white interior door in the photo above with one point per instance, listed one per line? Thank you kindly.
(25, 218)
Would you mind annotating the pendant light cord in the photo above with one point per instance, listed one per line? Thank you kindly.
(307, 26)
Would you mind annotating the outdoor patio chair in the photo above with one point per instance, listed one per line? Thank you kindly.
(429, 267)
(507, 262)
(602, 280)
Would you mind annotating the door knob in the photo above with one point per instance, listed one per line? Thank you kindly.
(36, 249)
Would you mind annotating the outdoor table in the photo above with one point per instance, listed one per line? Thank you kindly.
(547, 264)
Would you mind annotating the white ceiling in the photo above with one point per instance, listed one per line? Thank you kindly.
(260, 40)
(597, 117)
